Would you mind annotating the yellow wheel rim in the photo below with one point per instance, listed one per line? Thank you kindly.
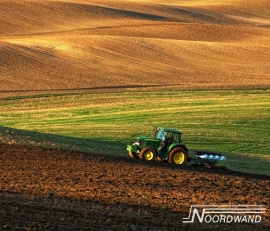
(179, 158)
(148, 155)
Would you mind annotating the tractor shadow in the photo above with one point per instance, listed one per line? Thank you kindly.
(32, 138)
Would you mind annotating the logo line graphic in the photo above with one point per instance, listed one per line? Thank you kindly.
(225, 213)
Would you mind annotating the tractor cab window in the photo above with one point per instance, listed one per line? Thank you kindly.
(176, 137)
(160, 135)
(165, 136)
(169, 137)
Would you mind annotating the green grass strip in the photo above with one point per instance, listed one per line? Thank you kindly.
(228, 121)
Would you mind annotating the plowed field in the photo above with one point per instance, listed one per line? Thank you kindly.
(74, 45)
(51, 189)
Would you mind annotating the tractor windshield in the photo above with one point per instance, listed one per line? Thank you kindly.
(161, 135)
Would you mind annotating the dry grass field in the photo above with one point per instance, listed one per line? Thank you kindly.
(115, 45)
(99, 44)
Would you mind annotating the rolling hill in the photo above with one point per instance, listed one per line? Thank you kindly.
(72, 45)
(90, 45)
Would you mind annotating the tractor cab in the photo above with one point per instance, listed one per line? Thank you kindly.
(168, 135)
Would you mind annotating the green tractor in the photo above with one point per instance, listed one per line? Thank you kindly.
(166, 145)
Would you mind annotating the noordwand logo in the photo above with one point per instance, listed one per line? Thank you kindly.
(225, 213)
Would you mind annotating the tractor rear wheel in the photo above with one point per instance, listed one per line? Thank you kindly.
(178, 155)
(147, 153)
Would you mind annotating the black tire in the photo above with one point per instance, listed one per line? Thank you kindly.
(178, 155)
(147, 153)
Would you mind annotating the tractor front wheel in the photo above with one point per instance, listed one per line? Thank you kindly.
(147, 154)
(133, 154)
(178, 155)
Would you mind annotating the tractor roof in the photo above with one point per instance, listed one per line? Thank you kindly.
(169, 130)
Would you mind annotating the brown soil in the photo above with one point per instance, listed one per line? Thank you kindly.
(51, 189)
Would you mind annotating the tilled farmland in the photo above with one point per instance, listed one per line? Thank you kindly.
(52, 189)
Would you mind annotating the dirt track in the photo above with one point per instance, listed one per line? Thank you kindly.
(47, 189)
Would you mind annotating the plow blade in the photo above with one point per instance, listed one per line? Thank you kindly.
(203, 157)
